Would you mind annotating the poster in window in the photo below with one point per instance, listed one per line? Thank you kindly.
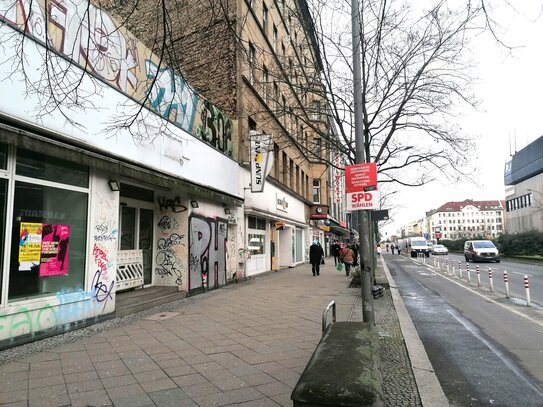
(54, 250)
(30, 238)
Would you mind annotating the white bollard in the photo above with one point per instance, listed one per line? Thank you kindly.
(506, 282)
(453, 271)
(447, 262)
(527, 288)
(460, 270)
(478, 276)
(468, 273)
(490, 279)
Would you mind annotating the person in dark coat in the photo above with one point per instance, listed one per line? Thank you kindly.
(316, 254)
(335, 248)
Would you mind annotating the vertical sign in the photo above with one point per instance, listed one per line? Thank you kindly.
(261, 154)
(336, 181)
(361, 186)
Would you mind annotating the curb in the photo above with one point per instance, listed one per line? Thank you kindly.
(430, 391)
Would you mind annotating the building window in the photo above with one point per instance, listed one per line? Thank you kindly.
(251, 61)
(265, 81)
(317, 191)
(265, 16)
(52, 220)
(256, 223)
(276, 95)
(315, 110)
(317, 147)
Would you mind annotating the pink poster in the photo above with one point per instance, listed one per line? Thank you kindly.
(54, 250)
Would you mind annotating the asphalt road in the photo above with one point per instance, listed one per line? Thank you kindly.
(515, 271)
(483, 353)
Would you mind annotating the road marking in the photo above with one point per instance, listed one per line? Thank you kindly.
(475, 332)
(522, 274)
(504, 306)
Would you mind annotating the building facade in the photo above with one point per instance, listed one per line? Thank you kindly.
(523, 177)
(91, 205)
(117, 171)
(466, 219)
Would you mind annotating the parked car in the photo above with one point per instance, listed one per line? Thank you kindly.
(439, 249)
(481, 250)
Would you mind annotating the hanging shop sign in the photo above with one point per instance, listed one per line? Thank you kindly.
(261, 154)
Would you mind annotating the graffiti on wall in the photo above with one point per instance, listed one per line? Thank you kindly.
(170, 241)
(216, 128)
(171, 204)
(207, 252)
(71, 307)
(92, 39)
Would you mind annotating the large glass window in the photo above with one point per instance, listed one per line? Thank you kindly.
(36, 165)
(48, 243)
(3, 206)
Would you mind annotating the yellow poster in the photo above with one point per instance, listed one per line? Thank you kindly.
(29, 245)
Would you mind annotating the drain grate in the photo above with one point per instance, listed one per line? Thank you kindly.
(161, 316)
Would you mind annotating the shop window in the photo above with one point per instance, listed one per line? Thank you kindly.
(3, 206)
(3, 156)
(36, 165)
(58, 217)
(255, 243)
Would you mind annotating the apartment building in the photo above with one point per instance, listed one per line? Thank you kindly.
(466, 219)
(258, 61)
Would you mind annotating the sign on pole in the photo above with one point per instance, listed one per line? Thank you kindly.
(361, 186)
(261, 155)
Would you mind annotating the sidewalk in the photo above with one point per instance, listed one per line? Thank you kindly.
(245, 345)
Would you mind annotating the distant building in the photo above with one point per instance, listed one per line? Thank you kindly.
(523, 177)
(457, 220)
(414, 228)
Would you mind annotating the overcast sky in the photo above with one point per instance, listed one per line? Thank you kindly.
(510, 88)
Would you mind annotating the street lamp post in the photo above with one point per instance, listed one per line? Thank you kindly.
(368, 314)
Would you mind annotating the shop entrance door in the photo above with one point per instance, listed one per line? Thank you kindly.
(136, 233)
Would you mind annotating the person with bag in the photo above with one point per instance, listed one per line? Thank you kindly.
(316, 255)
(346, 256)
(335, 248)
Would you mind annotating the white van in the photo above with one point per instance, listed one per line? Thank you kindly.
(481, 250)
(418, 245)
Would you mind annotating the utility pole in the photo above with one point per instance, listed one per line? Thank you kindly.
(368, 314)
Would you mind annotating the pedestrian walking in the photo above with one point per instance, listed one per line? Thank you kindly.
(356, 250)
(316, 254)
(335, 248)
(379, 250)
(387, 246)
(346, 256)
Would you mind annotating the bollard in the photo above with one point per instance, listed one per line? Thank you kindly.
(460, 270)
(468, 273)
(490, 279)
(447, 263)
(453, 271)
(506, 282)
(527, 288)
(478, 276)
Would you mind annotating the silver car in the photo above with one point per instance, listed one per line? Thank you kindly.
(439, 249)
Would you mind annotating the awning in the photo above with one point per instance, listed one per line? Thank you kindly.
(48, 144)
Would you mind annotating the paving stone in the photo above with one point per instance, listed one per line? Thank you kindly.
(171, 398)
(156, 385)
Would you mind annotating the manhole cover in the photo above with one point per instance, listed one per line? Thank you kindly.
(161, 316)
